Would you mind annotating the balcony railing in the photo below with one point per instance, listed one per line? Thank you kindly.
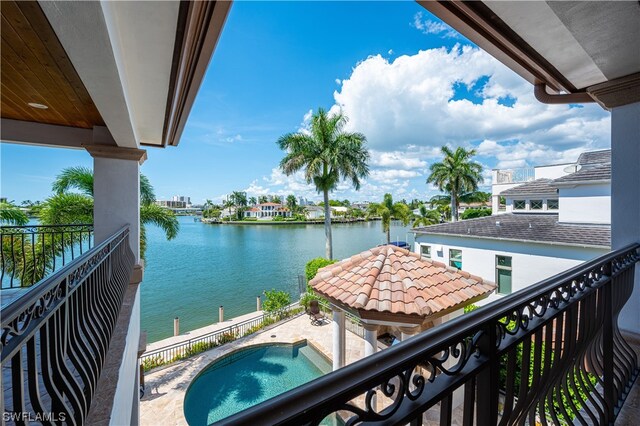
(525, 174)
(549, 354)
(30, 253)
(55, 336)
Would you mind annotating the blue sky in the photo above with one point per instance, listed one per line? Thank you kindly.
(406, 80)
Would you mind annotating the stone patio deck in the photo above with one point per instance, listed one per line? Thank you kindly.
(165, 388)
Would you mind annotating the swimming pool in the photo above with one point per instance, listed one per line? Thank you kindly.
(249, 376)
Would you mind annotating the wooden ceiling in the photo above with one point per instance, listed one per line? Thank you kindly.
(36, 69)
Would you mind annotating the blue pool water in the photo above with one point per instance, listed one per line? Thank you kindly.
(249, 376)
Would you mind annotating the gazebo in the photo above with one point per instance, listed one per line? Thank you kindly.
(390, 287)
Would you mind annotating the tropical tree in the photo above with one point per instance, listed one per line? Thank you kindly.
(328, 154)
(276, 199)
(68, 208)
(456, 174)
(388, 210)
(253, 201)
(292, 203)
(12, 215)
(262, 199)
(426, 217)
(240, 202)
(208, 205)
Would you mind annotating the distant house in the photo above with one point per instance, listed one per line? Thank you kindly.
(338, 211)
(314, 212)
(228, 212)
(554, 218)
(267, 211)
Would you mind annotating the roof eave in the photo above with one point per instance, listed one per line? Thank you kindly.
(199, 27)
(482, 237)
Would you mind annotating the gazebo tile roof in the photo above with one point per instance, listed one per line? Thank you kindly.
(391, 280)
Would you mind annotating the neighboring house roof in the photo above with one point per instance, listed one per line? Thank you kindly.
(388, 283)
(254, 209)
(268, 204)
(283, 209)
(595, 157)
(538, 186)
(314, 208)
(596, 173)
(540, 228)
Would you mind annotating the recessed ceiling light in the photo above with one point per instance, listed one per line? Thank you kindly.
(37, 105)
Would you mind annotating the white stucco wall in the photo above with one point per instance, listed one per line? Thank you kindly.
(552, 172)
(128, 387)
(586, 204)
(625, 190)
(531, 262)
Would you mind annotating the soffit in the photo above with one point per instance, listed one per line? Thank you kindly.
(588, 42)
(35, 68)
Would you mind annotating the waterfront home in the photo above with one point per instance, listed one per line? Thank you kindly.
(314, 212)
(549, 225)
(121, 76)
(267, 211)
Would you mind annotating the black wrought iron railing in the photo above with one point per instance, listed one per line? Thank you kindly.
(55, 337)
(30, 253)
(549, 354)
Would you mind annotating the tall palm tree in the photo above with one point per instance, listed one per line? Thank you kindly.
(208, 205)
(388, 210)
(253, 201)
(328, 155)
(456, 174)
(426, 217)
(60, 209)
(262, 199)
(276, 199)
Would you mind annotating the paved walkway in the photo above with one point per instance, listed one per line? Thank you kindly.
(202, 331)
(163, 403)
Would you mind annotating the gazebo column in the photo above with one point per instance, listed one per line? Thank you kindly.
(370, 338)
(339, 338)
(407, 332)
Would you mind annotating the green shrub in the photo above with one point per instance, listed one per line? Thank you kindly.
(470, 308)
(311, 268)
(474, 213)
(250, 219)
(278, 219)
(227, 337)
(306, 298)
(153, 362)
(276, 301)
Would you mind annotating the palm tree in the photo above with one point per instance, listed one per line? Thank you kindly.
(61, 208)
(208, 205)
(328, 155)
(12, 215)
(292, 203)
(239, 200)
(276, 199)
(262, 199)
(388, 210)
(456, 175)
(253, 201)
(426, 217)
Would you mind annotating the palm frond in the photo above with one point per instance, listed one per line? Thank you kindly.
(12, 215)
(80, 178)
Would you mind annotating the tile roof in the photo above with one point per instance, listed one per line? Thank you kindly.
(538, 186)
(397, 284)
(268, 204)
(542, 228)
(595, 157)
(594, 173)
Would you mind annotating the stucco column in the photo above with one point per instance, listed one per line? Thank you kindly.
(625, 196)
(116, 192)
(370, 339)
(339, 338)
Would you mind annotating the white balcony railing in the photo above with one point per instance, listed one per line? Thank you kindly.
(524, 174)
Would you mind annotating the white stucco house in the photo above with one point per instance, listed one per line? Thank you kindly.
(549, 225)
(314, 212)
(267, 211)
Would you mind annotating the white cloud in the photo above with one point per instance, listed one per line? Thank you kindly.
(427, 26)
(392, 175)
(409, 105)
(338, 81)
(230, 139)
(390, 52)
(397, 159)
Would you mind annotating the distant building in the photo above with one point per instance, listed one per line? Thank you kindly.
(314, 212)
(172, 204)
(182, 198)
(267, 211)
(303, 201)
